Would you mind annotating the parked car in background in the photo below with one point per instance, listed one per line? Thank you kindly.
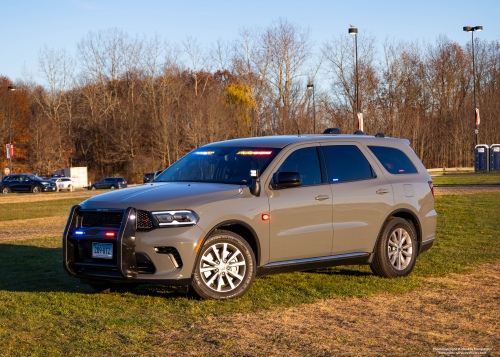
(149, 177)
(26, 183)
(63, 183)
(110, 183)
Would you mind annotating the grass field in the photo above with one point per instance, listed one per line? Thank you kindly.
(27, 210)
(465, 180)
(45, 312)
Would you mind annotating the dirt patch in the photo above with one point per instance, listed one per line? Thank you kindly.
(23, 229)
(459, 311)
(466, 189)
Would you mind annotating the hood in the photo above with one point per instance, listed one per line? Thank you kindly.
(162, 196)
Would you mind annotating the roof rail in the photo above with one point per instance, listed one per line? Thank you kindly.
(380, 135)
(359, 132)
(332, 131)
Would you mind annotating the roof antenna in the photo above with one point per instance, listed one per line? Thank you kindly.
(299, 132)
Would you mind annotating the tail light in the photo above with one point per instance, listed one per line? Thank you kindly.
(431, 187)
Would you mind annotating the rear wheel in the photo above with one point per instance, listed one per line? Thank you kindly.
(6, 190)
(36, 189)
(93, 188)
(225, 268)
(396, 250)
(112, 187)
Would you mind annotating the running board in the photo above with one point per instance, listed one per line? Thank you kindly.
(314, 263)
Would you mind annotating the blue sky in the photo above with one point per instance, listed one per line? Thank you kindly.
(29, 25)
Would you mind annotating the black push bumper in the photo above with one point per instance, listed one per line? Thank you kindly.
(123, 268)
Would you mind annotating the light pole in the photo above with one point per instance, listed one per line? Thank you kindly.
(354, 31)
(10, 89)
(476, 111)
(314, 108)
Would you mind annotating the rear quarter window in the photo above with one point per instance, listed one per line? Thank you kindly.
(394, 160)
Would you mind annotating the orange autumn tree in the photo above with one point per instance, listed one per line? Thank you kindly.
(238, 96)
(19, 114)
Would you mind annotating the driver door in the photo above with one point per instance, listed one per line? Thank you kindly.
(301, 217)
(25, 183)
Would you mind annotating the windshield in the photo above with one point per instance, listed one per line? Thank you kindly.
(34, 178)
(222, 165)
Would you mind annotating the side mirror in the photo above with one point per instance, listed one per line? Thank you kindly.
(255, 187)
(286, 180)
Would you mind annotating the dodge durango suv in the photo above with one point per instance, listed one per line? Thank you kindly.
(231, 211)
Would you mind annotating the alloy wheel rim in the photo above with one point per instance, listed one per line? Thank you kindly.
(5, 190)
(222, 267)
(400, 249)
(36, 189)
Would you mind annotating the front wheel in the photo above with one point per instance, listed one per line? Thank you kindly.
(396, 250)
(6, 190)
(112, 187)
(225, 268)
(36, 189)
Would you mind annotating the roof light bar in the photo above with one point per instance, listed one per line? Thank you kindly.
(205, 153)
(254, 153)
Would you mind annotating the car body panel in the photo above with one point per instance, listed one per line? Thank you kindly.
(299, 226)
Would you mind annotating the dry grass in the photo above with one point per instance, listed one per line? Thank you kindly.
(459, 311)
(34, 197)
(23, 229)
(461, 190)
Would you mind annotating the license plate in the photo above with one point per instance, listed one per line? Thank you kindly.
(102, 250)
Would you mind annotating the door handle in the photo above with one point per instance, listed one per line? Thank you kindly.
(382, 191)
(322, 197)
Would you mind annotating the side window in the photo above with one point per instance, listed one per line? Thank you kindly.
(346, 163)
(306, 163)
(394, 160)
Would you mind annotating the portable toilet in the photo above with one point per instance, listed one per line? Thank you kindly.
(495, 157)
(481, 156)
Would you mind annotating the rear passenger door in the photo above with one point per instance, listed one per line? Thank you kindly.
(362, 197)
(301, 217)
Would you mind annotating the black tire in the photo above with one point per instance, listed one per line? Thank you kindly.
(245, 261)
(36, 189)
(403, 264)
(108, 287)
(6, 190)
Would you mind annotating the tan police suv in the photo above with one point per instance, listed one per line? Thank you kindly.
(231, 211)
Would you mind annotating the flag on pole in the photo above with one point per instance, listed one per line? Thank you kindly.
(360, 121)
(8, 150)
(477, 117)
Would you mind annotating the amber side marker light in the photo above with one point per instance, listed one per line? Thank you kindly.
(265, 217)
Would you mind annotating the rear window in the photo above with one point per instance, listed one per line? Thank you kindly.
(346, 163)
(394, 160)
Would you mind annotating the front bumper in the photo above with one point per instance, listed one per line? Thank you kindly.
(131, 261)
(49, 188)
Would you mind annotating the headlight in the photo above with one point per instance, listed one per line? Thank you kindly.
(175, 218)
(45, 183)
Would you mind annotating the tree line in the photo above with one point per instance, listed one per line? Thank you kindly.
(125, 105)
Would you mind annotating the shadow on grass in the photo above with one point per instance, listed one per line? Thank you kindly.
(344, 271)
(27, 268)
